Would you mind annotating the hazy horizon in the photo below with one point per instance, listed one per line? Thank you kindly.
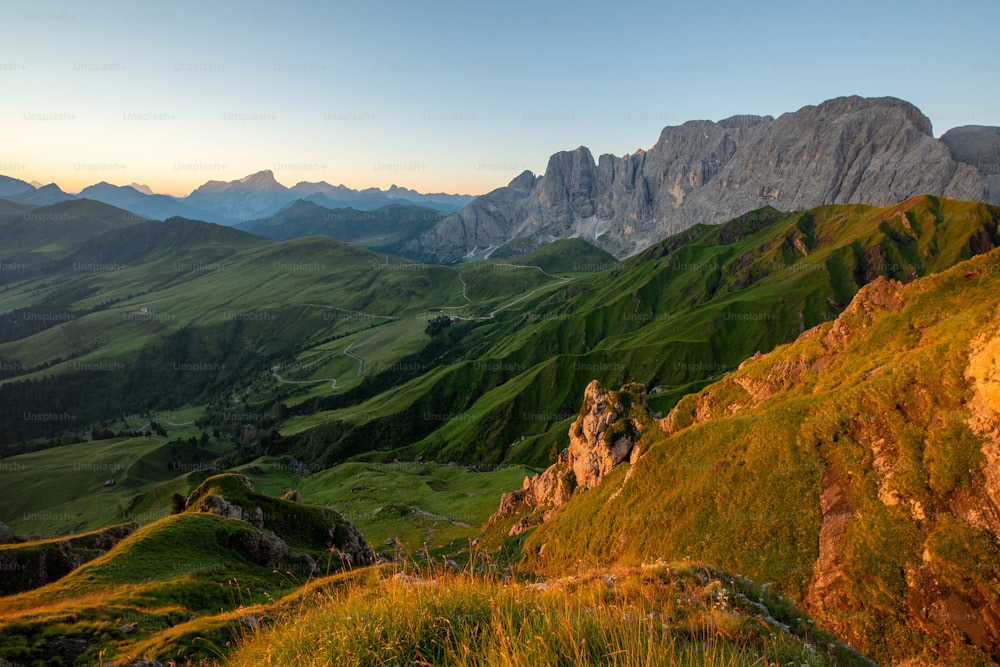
(451, 98)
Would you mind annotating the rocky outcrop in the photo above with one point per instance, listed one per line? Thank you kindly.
(31, 565)
(979, 146)
(603, 436)
(880, 294)
(846, 150)
(221, 507)
(348, 540)
(605, 433)
(983, 375)
(6, 534)
(262, 546)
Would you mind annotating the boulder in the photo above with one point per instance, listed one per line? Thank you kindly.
(263, 547)
(7, 535)
(348, 540)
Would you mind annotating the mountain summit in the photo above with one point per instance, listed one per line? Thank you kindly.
(846, 150)
(262, 180)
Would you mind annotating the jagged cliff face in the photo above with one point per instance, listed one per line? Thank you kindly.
(848, 150)
(979, 146)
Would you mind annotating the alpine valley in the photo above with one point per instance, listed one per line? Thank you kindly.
(733, 400)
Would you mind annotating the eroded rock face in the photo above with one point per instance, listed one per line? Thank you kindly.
(983, 375)
(34, 565)
(829, 582)
(602, 437)
(346, 538)
(6, 534)
(221, 507)
(979, 146)
(847, 150)
(263, 547)
(880, 294)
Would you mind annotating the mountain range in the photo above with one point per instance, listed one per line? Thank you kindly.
(148, 355)
(771, 440)
(256, 196)
(384, 229)
(845, 150)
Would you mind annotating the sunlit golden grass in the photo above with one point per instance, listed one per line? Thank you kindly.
(638, 616)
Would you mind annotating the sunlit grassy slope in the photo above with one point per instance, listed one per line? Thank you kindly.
(848, 467)
(657, 615)
(177, 578)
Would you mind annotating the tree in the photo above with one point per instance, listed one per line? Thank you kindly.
(177, 502)
(437, 325)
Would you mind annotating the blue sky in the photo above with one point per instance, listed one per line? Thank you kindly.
(442, 95)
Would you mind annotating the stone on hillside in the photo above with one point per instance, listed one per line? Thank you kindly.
(292, 495)
(263, 547)
(348, 540)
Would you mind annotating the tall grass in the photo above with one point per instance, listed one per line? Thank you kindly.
(406, 616)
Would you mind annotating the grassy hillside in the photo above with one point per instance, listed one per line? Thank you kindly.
(851, 468)
(80, 500)
(846, 468)
(676, 316)
(654, 615)
(187, 576)
(324, 342)
(385, 229)
(414, 504)
(197, 310)
(37, 236)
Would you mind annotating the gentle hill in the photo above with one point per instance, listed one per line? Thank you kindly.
(140, 466)
(12, 186)
(565, 256)
(188, 570)
(39, 235)
(45, 195)
(384, 229)
(144, 204)
(115, 337)
(174, 239)
(852, 468)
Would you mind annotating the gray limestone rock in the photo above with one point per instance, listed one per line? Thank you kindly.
(979, 146)
(847, 150)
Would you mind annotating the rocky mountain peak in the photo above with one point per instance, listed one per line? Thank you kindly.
(846, 150)
(524, 181)
(262, 179)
